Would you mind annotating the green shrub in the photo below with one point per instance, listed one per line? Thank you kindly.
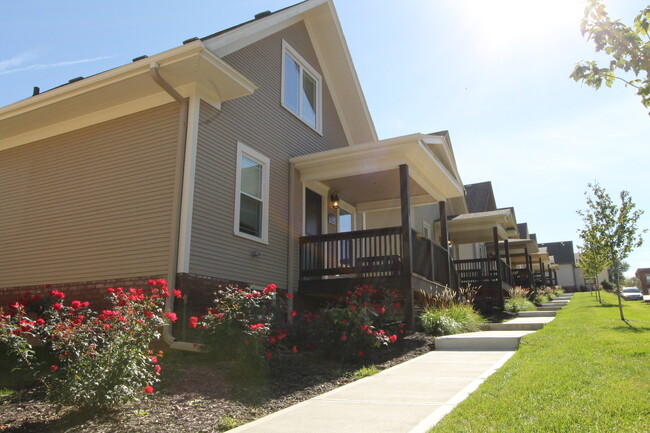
(453, 319)
(516, 304)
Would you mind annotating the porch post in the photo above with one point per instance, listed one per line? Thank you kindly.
(542, 271)
(555, 276)
(529, 269)
(407, 245)
(444, 239)
(497, 258)
(507, 248)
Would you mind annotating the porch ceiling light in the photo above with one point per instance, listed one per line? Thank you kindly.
(334, 200)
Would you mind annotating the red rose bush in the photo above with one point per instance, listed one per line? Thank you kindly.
(88, 358)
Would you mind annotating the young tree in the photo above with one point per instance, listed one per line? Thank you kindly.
(611, 230)
(622, 269)
(592, 262)
(628, 47)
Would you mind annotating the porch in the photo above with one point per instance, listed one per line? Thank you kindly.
(382, 182)
(333, 263)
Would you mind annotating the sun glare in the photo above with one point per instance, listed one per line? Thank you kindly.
(506, 24)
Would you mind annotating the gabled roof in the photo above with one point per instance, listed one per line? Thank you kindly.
(197, 64)
(562, 251)
(322, 23)
(480, 197)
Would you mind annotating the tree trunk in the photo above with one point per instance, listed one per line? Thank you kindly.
(618, 292)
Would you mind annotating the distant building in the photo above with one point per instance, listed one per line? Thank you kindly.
(565, 258)
(643, 274)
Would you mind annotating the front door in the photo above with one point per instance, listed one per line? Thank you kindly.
(313, 213)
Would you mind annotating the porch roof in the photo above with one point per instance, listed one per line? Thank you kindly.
(478, 227)
(368, 174)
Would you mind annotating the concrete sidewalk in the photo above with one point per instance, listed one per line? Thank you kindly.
(410, 397)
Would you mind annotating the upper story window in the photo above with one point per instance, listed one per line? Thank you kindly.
(252, 199)
(301, 88)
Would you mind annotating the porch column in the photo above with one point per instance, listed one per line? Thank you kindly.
(407, 245)
(507, 248)
(555, 276)
(444, 239)
(497, 258)
(542, 271)
(529, 269)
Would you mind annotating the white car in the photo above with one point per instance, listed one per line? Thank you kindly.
(631, 294)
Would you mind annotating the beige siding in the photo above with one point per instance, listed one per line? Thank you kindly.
(91, 204)
(259, 121)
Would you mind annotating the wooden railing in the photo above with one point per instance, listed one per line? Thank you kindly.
(373, 253)
(522, 277)
(481, 272)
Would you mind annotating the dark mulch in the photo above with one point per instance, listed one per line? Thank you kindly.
(198, 395)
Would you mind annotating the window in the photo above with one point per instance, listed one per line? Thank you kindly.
(252, 189)
(301, 88)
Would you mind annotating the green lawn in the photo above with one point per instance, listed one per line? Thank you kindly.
(587, 371)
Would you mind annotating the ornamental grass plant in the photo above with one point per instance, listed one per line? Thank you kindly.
(518, 301)
(451, 312)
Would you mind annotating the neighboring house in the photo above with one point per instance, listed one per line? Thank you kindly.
(643, 274)
(218, 162)
(564, 257)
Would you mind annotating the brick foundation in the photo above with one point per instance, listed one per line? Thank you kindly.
(91, 291)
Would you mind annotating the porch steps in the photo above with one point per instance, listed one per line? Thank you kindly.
(536, 313)
(521, 324)
(547, 307)
(484, 340)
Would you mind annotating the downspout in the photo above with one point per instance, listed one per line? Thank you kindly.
(291, 246)
(172, 265)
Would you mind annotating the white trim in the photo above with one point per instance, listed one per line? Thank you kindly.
(265, 162)
(303, 64)
(189, 177)
(427, 227)
(351, 209)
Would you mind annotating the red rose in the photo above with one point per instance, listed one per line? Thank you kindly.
(54, 368)
(148, 389)
(344, 337)
(57, 306)
(294, 313)
(178, 294)
(392, 338)
(40, 322)
(193, 321)
(171, 316)
(269, 355)
(75, 304)
(294, 349)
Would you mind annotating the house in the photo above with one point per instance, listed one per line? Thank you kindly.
(564, 258)
(246, 157)
(643, 274)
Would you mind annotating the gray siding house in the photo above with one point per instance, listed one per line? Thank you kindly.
(219, 162)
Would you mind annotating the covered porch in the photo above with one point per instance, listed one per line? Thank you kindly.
(493, 274)
(388, 178)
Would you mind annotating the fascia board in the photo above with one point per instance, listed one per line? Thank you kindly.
(102, 79)
(394, 203)
(254, 31)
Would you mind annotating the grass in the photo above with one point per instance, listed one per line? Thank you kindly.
(365, 372)
(587, 371)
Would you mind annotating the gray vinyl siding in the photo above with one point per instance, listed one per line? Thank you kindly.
(260, 122)
(91, 204)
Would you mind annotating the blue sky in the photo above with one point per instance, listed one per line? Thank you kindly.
(493, 73)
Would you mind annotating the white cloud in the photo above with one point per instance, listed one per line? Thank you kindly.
(17, 62)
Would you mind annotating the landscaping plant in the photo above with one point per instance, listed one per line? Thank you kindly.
(86, 358)
(448, 313)
(518, 301)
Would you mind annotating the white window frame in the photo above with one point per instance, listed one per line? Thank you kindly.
(427, 227)
(265, 162)
(304, 66)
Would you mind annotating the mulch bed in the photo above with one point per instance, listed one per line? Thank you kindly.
(198, 395)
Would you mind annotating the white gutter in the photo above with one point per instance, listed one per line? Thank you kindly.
(178, 187)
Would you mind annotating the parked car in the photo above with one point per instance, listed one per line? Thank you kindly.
(631, 294)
